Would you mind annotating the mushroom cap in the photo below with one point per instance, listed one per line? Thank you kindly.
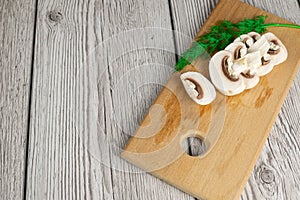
(265, 69)
(207, 89)
(282, 55)
(246, 39)
(238, 49)
(254, 35)
(220, 80)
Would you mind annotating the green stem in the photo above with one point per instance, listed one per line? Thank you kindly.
(281, 25)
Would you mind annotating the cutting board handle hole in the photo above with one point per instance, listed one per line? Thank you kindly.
(193, 146)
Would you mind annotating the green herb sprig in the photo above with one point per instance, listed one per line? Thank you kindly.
(223, 34)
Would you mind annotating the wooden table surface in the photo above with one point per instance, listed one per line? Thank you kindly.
(77, 77)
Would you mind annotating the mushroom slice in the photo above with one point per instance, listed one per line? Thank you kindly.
(266, 65)
(254, 35)
(246, 39)
(250, 80)
(198, 87)
(277, 51)
(238, 49)
(253, 62)
(221, 74)
(276, 54)
(262, 45)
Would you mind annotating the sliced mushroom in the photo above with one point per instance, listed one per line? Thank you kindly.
(246, 39)
(238, 49)
(266, 67)
(275, 55)
(247, 64)
(253, 62)
(220, 70)
(240, 65)
(278, 52)
(250, 80)
(262, 60)
(254, 35)
(262, 45)
(198, 87)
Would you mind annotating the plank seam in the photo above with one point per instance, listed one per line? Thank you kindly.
(105, 128)
(173, 31)
(30, 98)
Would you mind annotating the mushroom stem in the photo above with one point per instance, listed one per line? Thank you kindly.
(239, 67)
(198, 88)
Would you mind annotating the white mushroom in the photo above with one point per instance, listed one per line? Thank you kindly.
(240, 65)
(250, 80)
(247, 64)
(253, 61)
(222, 76)
(278, 52)
(262, 45)
(238, 49)
(250, 77)
(266, 67)
(198, 87)
(272, 50)
(246, 39)
(254, 35)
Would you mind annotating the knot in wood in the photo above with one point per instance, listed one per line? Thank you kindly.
(55, 16)
(267, 176)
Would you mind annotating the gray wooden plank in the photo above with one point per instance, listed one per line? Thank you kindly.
(276, 173)
(89, 94)
(16, 41)
(140, 51)
(65, 102)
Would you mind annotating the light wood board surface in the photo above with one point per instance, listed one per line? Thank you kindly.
(73, 77)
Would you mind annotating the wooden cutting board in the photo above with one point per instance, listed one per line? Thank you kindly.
(234, 129)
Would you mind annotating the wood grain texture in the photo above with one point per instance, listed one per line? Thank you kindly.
(139, 44)
(16, 38)
(91, 90)
(285, 166)
(64, 114)
(79, 124)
